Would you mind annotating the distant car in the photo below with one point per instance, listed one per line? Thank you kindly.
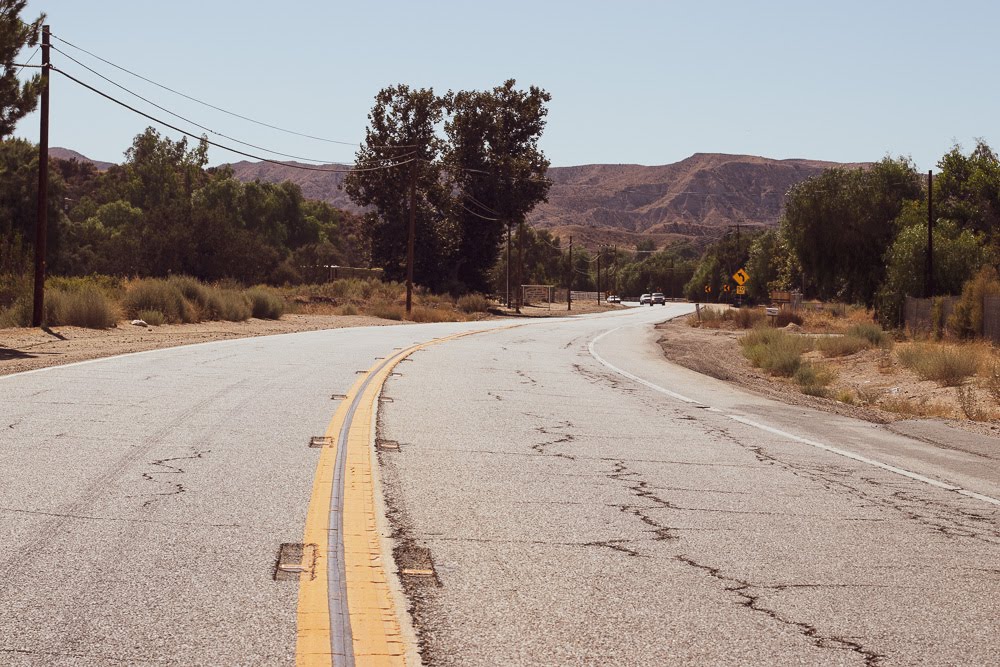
(658, 298)
(614, 298)
(645, 298)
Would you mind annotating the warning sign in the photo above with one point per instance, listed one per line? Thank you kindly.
(741, 277)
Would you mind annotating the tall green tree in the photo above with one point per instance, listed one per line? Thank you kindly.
(17, 97)
(967, 190)
(496, 168)
(840, 224)
(400, 145)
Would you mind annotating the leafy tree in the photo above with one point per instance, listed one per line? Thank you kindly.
(968, 189)
(401, 145)
(19, 205)
(497, 171)
(840, 224)
(771, 266)
(17, 99)
(958, 255)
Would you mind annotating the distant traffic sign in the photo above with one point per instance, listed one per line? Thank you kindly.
(741, 277)
(708, 289)
(741, 289)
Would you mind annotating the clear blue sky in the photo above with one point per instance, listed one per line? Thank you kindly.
(631, 82)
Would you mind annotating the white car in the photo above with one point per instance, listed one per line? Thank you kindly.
(645, 299)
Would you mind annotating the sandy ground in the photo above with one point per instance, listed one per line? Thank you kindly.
(876, 387)
(23, 349)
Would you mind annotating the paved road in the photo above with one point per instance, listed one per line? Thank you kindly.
(576, 515)
(571, 514)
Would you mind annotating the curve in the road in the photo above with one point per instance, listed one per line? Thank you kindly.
(775, 431)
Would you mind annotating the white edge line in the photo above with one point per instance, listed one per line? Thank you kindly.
(812, 443)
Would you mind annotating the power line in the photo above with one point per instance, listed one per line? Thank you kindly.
(30, 58)
(471, 212)
(212, 106)
(215, 143)
(195, 123)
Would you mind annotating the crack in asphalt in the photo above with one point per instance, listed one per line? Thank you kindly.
(941, 518)
(641, 489)
(179, 488)
(597, 377)
(563, 438)
(751, 601)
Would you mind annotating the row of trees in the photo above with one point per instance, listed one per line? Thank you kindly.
(860, 235)
(163, 212)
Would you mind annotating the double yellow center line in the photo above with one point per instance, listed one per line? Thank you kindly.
(346, 613)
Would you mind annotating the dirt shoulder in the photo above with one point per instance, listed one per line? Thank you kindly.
(872, 379)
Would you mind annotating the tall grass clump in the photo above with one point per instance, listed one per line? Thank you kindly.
(265, 304)
(774, 351)
(870, 332)
(230, 305)
(787, 316)
(473, 303)
(841, 346)
(813, 379)
(948, 366)
(15, 300)
(87, 306)
(160, 295)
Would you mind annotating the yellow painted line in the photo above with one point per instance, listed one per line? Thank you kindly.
(375, 627)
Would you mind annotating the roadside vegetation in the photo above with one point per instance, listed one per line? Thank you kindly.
(100, 302)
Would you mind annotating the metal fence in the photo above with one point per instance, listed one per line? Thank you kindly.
(991, 318)
(921, 316)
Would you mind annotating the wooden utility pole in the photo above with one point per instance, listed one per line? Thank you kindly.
(508, 266)
(930, 235)
(411, 239)
(41, 225)
(569, 281)
(520, 263)
(599, 250)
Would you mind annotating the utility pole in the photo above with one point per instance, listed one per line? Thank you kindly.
(599, 249)
(410, 239)
(930, 234)
(41, 225)
(569, 281)
(520, 264)
(508, 265)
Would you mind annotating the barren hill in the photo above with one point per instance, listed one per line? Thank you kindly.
(698, 196)
(67, 154)
(322, 185)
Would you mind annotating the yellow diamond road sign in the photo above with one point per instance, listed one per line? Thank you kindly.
(741, 277)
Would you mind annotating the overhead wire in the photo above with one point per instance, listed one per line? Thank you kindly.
(199, 125)
(213, 106)
(26, 62)
(217, 144)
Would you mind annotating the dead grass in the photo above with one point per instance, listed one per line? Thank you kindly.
(948, 365)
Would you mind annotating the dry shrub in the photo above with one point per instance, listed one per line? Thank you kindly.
(348, 309)
(425, 314)
(914, 408)
(774, 351)
(813, 379)
(966, 319)
(993, 382)
(387, 311)
(151, 317)
(230, 305)
(265, 303)
(870, 332)
(473, 303)
(869, 395)
(87, 306)
(160, 295)
(840, 346)
(947, 365)
(746, 318)
(971, 407)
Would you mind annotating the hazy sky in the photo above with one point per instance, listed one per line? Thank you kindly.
(631, 82)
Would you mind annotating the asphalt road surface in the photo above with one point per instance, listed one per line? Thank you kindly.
(576, 499)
